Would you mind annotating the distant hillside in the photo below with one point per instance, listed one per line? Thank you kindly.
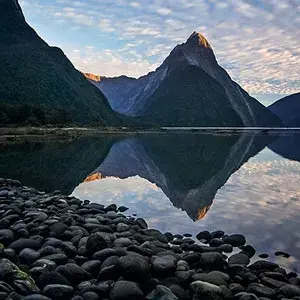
(288, 110)
(188, 89)
(42, 77)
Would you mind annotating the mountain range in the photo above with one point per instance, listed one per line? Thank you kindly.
(40, 76)
(288, 110)
(188, 89)
(39, 83)
(163, 160)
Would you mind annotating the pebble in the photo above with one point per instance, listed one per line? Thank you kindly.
(58, 247)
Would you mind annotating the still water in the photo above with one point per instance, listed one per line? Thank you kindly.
(245, 183)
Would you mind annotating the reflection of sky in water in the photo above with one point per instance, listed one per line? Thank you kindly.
(260, 200)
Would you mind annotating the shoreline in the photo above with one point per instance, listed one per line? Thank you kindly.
(54, 246)
(12, 134)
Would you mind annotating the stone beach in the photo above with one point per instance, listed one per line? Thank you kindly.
(59, 247)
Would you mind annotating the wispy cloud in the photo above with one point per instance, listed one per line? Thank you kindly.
(256, 41)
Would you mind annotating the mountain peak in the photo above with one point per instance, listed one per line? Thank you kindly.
(198, 39)
(93, 77)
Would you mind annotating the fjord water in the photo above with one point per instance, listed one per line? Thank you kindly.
(180, 182)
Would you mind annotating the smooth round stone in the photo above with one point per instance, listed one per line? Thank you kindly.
(261, 290)
(51, 277)
(236, 288)
(36, 297)
(217, 234)
(29, 256)
(226, 248)
(248, 250)
(215, 242)
(263, 265)
(23, 243)
(142, 223)
(6, 236)
(239, 259)
(163, 265)
(263, 255)
(92, 266)
(74, 273)
(122, 208)
(122, 242)
(283, 254)
(57, 291)
(161, 292)
(135, 267)
(90, 296)
(246, 296)
(204, 235)
(204, 290)
(125, 290)
(235, 240)
(212, 261)
(158, 235)
(272, 282)
(210, 278)
(290, 291)
(95, 242)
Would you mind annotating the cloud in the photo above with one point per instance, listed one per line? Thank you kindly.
(256, 40)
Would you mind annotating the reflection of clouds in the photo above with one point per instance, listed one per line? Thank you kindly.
(260, 200)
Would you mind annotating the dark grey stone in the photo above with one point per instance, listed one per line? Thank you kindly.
(125, 290)
(57, 291)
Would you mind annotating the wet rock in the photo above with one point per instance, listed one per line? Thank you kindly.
(58, 291)
(135, 267)
(239, 259)
(73, 273)
(28, 256)
(204, 235)
(124, 290)
(248, 250)
(23, 243)
(246, 296)
(236, 288)
(212, 261)
(36, 297)
(163, 265)
(161, 293)
(96, 242)
(205, 290)
(212, 277)
(283, 254)
(263, 255)
(272, 282)
(217, 234)
(290, 291)
(51, 277)
(235, 240)
(225, 248)
(6, 236)
(215, 242)
(142, 223)
(261, 290)
(263, 265)
(92, 266)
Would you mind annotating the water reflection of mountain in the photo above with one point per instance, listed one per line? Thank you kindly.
(188, 168)
(53, 165)
(287, 145)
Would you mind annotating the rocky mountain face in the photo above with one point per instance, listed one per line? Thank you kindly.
(288, 110)
(38, 75)
(188, 89)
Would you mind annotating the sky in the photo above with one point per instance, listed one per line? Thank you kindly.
(256, 41)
